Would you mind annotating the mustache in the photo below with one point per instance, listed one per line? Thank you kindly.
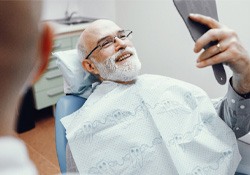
(110, 62)
(127, 49)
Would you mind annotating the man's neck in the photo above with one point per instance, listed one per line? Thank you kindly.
(126, 82)
(121, 82)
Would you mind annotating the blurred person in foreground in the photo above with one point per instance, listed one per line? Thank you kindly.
(25, 46)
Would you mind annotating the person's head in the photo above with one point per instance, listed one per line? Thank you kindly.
(107, 52)
(25, 47)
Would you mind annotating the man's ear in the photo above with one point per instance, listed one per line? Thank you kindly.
(44, 50)
(89, 66)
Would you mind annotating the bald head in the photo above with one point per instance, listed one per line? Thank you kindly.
(19, 40)
(24, 48)
(19, 23)
(19, 35)
(100, 26)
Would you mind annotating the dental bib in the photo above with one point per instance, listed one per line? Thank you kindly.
(155, 126)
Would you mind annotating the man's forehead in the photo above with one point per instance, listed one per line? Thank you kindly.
(101, 28)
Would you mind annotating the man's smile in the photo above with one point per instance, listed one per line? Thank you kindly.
(123, 56)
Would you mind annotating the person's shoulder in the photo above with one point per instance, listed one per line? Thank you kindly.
(11, 148)
(8, 141)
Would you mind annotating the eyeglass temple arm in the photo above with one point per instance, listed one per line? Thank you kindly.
(92, 52)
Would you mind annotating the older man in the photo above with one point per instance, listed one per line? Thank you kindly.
(24, 51)
(152, 124)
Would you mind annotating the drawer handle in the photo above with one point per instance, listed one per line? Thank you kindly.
(57, 46)
(54, 75)
(55, 92)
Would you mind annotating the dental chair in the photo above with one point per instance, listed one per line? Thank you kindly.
(76, 81)
(72, 102)
(65, 106)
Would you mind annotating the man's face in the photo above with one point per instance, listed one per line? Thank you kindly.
(123, 66)
(118, 61)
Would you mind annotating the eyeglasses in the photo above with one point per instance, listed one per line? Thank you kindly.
(109, 40)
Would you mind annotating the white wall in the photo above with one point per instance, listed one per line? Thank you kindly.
(55, 9)
(98, 8)
(164, 44)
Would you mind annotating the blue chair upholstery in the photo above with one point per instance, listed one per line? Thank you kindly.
(70, 103)
(65, 106)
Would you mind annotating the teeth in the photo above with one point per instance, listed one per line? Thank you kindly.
(123, 57)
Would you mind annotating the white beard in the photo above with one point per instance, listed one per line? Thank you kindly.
(127, 71)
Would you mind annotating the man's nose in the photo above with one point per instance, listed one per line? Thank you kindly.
(119, 44)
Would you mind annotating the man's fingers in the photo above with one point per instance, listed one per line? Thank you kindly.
(212, 35)
(206, 20)
(206, 38)
(211, 51)
(219, 58)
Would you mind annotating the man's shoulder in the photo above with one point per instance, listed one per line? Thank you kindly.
(11, 148)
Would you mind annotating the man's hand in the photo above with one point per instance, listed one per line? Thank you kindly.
(229, 51)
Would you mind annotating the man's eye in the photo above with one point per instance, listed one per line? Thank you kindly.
(122, 36)
(106, 43)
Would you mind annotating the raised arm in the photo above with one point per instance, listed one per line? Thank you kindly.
(234, 108)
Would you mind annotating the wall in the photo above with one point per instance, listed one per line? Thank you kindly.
(163, 42)
(98, 8)
(54, 9)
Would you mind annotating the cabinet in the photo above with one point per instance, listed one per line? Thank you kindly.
(49, 88)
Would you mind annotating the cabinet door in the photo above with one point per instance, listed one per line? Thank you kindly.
(62, 44)
(74, 41)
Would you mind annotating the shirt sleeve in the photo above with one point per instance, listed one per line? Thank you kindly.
(235, 111)
(14, 158)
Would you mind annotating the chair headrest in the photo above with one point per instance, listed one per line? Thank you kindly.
(77, 81)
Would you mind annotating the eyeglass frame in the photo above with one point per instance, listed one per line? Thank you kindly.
(98, 45)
